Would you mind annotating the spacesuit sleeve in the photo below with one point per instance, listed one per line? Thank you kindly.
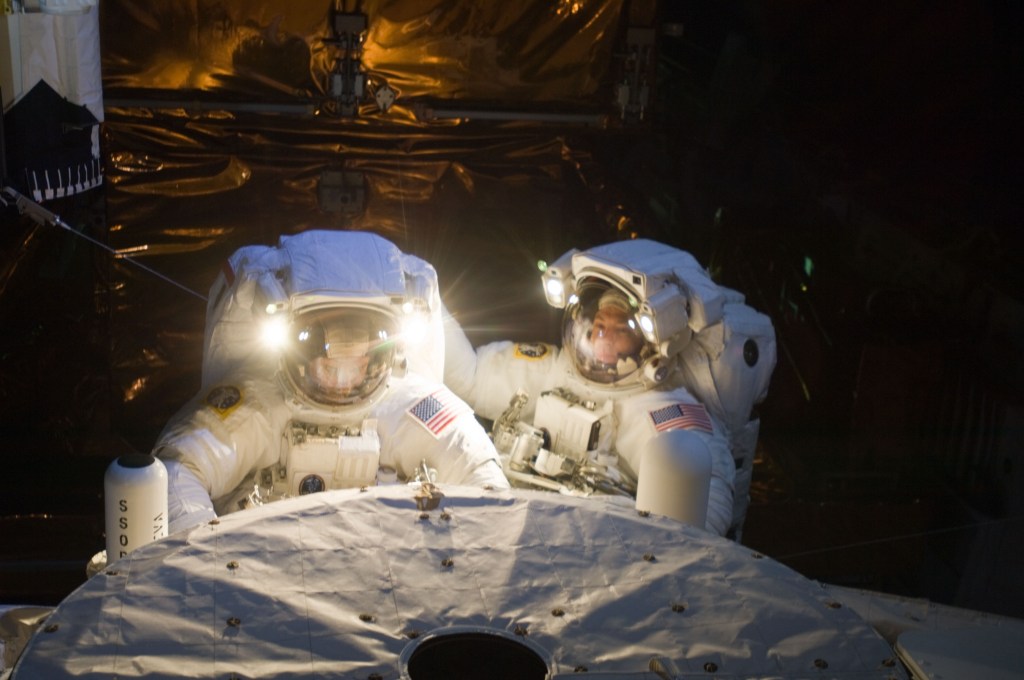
(459, 357)
(720, 495)
(219, 437)
(640, 419)
(423, 422)
(489, 376)
(188, 503)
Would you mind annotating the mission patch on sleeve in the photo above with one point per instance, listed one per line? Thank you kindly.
(531, 350)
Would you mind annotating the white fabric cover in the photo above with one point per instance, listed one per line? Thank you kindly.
(58, 46)
(348, 583)
(64, 50)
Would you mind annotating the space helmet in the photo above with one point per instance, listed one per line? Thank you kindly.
(630, 309)
(601, 332)
(332, 315)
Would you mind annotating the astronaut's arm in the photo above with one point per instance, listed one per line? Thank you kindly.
(723, 483)
(459, 357)
(432, 425)
(487, 474)
(190, 477)
(208, 455)
(683, 475)
(188, 502)
(702, 439)
(461, 454)
(720, 502)
(488, 376)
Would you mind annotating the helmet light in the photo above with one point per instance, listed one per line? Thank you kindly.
(554, 291)
(414, 328)
(664, 320)
(272, 298)
(559, 285)
(414, 320)
(647, 326)
(274, 331)
(271, 293)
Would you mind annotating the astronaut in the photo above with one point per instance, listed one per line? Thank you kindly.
(648, 364)
(350, 397)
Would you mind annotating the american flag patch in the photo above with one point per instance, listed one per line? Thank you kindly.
(682, 416)
(438, 410)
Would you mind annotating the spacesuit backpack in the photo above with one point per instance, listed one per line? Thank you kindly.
(728, 366)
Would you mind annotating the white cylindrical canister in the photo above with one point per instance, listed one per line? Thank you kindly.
(675, 477)
(135, 503)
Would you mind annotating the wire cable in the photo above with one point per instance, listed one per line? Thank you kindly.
(902, 537)
(25, 206)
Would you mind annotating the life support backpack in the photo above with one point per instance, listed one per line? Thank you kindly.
(728, 366)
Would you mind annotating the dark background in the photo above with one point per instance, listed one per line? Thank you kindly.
(854, 170)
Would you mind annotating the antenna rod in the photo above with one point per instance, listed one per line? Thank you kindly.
(26, 206)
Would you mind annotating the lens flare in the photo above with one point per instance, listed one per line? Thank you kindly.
(274, 332)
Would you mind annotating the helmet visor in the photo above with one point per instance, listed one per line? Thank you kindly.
(341, 356)
(601, 330)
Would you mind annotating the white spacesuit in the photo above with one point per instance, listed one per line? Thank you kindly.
(350, 397)
(650, 346)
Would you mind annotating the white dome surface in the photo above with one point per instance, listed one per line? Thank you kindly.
(353, 583)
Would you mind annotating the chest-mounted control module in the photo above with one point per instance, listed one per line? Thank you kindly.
(321, 457)
(561, 450)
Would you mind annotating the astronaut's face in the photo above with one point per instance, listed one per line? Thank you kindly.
(338, 375)
(600, 330)
(613, 336)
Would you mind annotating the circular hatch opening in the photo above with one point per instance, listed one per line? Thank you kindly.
(457, 656)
